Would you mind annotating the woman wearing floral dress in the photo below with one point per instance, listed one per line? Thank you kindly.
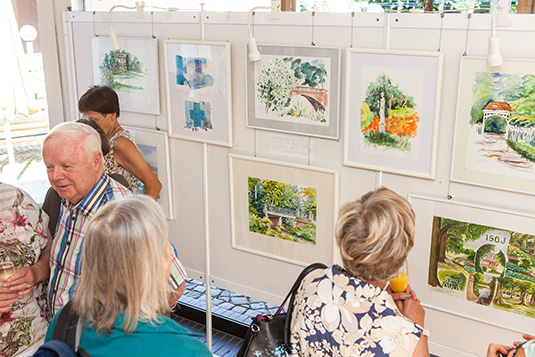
(349, 311)
(23, 241)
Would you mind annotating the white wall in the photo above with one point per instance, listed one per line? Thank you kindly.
(270, 279)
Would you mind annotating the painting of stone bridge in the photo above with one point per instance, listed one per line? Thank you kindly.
(282, 210)
(484, 265)
(293, 89)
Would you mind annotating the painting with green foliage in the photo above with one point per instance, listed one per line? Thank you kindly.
(484, 265)
(295, 89)
(282, 210)
(502, 123)
(131, 71)
(388, 116)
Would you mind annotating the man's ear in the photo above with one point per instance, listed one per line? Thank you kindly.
(97, 160)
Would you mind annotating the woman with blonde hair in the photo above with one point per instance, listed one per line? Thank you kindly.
(349, 310)
(121, 297)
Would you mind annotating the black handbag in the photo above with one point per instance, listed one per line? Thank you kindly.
(269, 335)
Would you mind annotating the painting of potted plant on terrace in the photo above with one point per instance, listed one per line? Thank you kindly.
(484, 265)
(282, 210)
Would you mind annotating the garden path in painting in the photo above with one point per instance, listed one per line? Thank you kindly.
(502, 125)
(281, 210)
(484, 265)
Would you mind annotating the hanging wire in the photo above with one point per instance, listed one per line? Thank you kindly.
(254, 13)
(352, 18)
(441, 28)
(467, 32)
(254, 143)
(152, 23)
(313, 16)
(94, 29)
(309, 149)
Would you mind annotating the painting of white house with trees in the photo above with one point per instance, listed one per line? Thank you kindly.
(489, 266)
(502, 124)
(282, 210)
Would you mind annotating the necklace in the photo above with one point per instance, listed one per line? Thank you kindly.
(113, 133)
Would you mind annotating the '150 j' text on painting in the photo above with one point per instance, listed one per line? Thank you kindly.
(131, 71)
(495, 136)
(282, 210)
(294, 89)
(392, 110)
(198, 91)
(485, 265)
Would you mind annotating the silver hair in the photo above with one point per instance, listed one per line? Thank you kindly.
(78, 131)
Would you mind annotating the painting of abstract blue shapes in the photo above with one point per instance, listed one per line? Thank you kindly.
(199, 100)
(191, 72)
(198, 115)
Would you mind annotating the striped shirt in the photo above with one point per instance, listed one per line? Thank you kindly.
(66, 250)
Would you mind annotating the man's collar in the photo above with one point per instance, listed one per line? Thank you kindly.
(89, 202)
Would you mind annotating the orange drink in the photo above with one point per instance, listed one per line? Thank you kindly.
(399, 283)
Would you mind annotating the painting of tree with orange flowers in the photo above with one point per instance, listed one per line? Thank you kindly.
(388, 117)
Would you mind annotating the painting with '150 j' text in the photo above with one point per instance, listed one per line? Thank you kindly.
(294, 89)
(392, 107)
(481, 261)
(495, 132)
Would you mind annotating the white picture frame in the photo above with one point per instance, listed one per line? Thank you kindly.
(485, 158)
(134, 77)
(198, 90)
(323, 182)
(451, 301)
(154, 147)
(402, 140)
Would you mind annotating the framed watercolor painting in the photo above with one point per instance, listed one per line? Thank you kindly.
(283, 211)
(475, 262)
(294, 89)
(392, 110)
(199, 103)
(495, 126)
(132, 72)
(154, 147)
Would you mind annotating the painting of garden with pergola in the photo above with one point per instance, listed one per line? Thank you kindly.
(502, 124)
(485, 265)
(282, 210)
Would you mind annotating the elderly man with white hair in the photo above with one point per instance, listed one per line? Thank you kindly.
(71, 152)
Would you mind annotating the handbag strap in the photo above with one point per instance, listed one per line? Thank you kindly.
(291, 295)
(66, 326)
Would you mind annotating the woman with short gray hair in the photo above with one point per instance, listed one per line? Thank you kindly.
(121, 297)
(350, 310)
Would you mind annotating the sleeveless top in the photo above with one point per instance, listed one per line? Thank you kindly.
(111, 166)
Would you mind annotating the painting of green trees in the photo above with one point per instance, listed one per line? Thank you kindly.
(503, 110)
(118, 68)
(294, 87)
(282, 210)
(388, 116)
(485, 265)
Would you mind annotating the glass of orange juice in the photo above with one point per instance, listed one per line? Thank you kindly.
(400, 282)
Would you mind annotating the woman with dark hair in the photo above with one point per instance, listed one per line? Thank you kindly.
(349, 310)
(101, 104)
